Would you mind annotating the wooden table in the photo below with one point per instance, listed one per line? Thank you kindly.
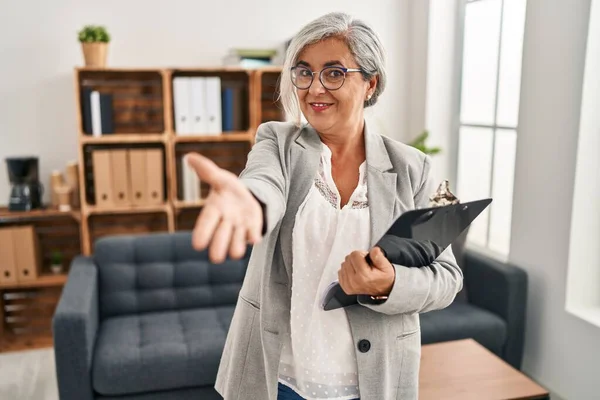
(466, 370)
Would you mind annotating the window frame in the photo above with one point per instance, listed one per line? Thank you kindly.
(494, 127)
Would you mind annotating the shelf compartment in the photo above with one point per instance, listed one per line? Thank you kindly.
(28, 312)
(236, 82)
(136, 98)
(270, 107)
(185, 218)
(55, 232)
(231, 156)
(126, 224)
(88, 166)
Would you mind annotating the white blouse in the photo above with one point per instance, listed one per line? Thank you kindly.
(318, 361)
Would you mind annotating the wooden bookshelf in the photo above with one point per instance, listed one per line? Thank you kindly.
(180, 205)
(42, 281)
(143, 118)
(151, 91)
(49, 212)
(125, 138)
(237, 136)
(91, 210)
(27, 307)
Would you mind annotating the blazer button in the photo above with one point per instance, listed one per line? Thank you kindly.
(364, 345)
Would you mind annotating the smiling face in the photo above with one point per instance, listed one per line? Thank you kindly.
(333, 111)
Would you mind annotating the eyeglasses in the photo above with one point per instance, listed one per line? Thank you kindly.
(332, 78)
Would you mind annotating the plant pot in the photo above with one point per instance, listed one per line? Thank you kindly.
(56, 269)
(95, 54)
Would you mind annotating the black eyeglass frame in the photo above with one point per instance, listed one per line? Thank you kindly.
(312, 75)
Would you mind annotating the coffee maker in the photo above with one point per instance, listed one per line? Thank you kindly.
(26, 191)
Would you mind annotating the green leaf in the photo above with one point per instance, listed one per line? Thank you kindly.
(420, 143)
(93, 33)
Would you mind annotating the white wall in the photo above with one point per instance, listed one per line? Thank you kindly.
(583, 283)
(38, 51)
(561, 350)
(443, 87)
(418, 33)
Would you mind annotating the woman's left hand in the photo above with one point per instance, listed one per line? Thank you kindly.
(356, 276)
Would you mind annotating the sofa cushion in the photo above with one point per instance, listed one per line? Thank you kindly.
(203, 393)
(463, 321)
(160, 351)
(161, 272)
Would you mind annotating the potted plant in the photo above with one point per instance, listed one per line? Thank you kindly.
(56, 262)
(420, 143)
(94, 43)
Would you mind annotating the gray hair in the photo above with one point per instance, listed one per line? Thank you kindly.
(363, 42)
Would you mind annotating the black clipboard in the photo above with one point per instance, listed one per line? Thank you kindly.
(432, 229)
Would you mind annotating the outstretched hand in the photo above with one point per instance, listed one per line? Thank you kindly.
(356, 276)
(231, 217)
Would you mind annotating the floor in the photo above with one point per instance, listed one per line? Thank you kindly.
(28, 375)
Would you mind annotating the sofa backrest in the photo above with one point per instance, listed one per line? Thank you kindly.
(158, 272)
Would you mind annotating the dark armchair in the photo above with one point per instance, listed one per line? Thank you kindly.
(493, 312)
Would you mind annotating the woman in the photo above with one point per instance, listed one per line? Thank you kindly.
(314, 199)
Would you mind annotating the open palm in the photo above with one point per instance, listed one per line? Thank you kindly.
(231, 217)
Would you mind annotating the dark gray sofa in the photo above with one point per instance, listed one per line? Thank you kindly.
(146, 318)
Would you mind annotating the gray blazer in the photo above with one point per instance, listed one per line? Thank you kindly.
(280, 171)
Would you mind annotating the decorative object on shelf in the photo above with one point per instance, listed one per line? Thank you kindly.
(61, 187)
(72, 179)
(64, 197)
(94, 43)
(250, 58)
(56, 180)
(56, 262)
(26, 191)
(420, 143)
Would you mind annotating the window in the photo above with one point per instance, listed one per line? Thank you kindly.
(488, 115)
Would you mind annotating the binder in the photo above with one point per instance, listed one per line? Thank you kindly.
(120, 177)
(86, 105)
(427, 231)
(27, 253)
(106, 113)
(189, 181)
(96, 113)
(8, 265)
(102, 178)
(137, 176)
(186, 189)
(182, 105)
(227, 109)
(198, 91)
(154, 176)
(213, 105)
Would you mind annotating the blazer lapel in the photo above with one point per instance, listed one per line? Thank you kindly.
(381, 186)
(305, 152)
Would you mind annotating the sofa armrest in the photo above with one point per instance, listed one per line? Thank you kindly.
(502, 289)
(75, 324)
